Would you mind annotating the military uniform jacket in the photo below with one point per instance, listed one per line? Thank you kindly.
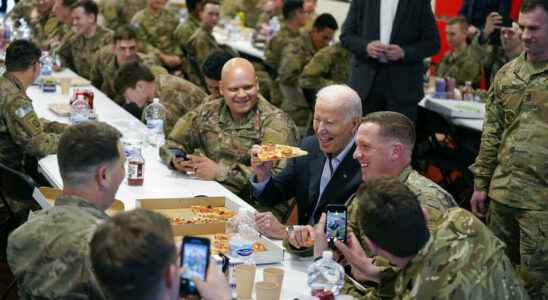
(200, 45)
(156, 33)
(78, 52)
(492, 58)
(22, 133)
(512, 163)
(57, 33)
(294, 57)
(185, 30)
(462, 260)
(22, 9)
(210, 130)
(49, 255)
(461, 65)
(329, 66)
(118, 13)
(274, 47)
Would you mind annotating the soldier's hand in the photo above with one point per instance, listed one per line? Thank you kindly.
(302, 236)
(182, 165)
(262, 169)
(204, 168)
(269, 225)
(492, 22)
(478, 203)
(363, 268)
(376, 49)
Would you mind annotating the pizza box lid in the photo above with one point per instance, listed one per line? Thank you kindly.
(45, 196)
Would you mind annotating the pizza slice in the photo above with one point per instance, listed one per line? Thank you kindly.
(271, 152)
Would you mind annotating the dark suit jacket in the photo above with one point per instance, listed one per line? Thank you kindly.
(414, 30)
(301, 179)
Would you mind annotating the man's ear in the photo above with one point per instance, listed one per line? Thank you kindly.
(102, 175)
(397, 151)
(171, 275)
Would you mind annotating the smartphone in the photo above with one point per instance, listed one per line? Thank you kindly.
(195, 252)
(335, 224)
(178, 153)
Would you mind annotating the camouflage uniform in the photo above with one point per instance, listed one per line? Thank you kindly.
(274, 47)
(512, 166)
(492, 58)
(156, 34)
(199, 45)
(328, 66)
(57, 33)
(118, 13)
(250, 8)
(210, 130)
(78, 52)
(294, 57)
(40, 28)
(49, 255)
(185, 30)
(105, 68)
(461, 65)
(310, 18)
(22, 9)
(265, 17)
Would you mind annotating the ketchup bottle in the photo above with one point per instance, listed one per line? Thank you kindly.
(135, 168)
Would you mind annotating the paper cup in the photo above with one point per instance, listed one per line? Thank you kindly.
(65, 85)
(266, 290)
(245, 278)
(275, 275)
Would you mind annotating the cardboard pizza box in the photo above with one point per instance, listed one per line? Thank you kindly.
(45, 196)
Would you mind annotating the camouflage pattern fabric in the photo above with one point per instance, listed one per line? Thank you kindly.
(22, 9)
(200, 45)
(57, 33)
(461, 65)
(251, 9)
(49, 255)
(274, 47)
(118, 13)
(265, 17)
(156, 33)
(185, 30)
(329, 66)
(37, 25)
(492, 58)
(210, 130)
(78, 52)
(310, 18)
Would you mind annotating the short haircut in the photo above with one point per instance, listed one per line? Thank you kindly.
(460, 20)
(69, 3)
(83, 147)
(350, 99)
(21, 55)
(291, 7)
(130, 253)
(131, 73)
(529, 5)
(192, 5)
(213, 65)
(325, 20)
(124, 33)
(214, 2)
(89, 6)
(393, 125)
(390, 215)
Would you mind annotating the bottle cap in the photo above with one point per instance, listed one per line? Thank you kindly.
(156, 100)
(327, 255)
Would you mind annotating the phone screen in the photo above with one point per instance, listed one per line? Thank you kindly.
(335, 227)
(194, 259)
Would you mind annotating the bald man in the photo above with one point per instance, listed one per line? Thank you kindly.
(217, 135)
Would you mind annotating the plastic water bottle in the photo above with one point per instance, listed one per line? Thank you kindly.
(23, 31)
(80, 110)
(47, 64)
(155, 115)
(326, 275)
(8, 30)
(235, 29)
(274, 24)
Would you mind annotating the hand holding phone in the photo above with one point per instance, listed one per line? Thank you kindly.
(195, 252)
(335, 224)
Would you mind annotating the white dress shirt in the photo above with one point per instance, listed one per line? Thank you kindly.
(388, 13)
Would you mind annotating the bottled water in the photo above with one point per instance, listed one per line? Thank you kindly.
(326, 274)
(274, 24)
(235, 29)
(80, 110)
(23, 31)
(47, 64)
(155, 115)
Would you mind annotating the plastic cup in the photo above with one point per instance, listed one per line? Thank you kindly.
(275, 275)
(245, 278)
(65, 85)
(267, 290)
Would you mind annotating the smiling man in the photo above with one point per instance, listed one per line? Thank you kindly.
(218, 134)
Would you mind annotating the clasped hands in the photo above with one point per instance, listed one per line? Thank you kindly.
(378, 50)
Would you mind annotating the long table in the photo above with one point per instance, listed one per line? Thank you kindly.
(160, 182)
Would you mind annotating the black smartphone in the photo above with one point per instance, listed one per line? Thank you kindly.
(178, 153)
(335, 224)
(195, 252)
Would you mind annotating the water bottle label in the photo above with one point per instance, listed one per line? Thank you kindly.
(245, 252)
(156, 125)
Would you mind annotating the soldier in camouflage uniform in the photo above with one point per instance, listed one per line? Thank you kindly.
(155, 27)
(118, 13)
(251, 10)
(49, 254)
(294, 58)
(220, 133)
(271, 9)
(138, 86)
(58, 31)
(460, 63)
(110, 58)
(185, 30)
(459, 258)
(329, 66)
(39, 17)
(22, 9)
(79, 50)
(511, 165)
(310, 11)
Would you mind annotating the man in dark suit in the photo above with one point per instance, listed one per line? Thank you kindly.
(389, 40)
(327, 175)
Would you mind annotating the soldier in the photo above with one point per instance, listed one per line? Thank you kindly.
(212, 69)
(108, 60)
(271, 9)
(249, 9)
(39, 18)
(460, 258)
(155, 27)
(58, 31)
(510, 167)
(185, 30)
(218, 135)
(118, 13)
(78, 51)
(22, 10)
(493, 57)
(329, 66)
(138, 86)
(55, 241)
(310, 12)
(459, 63)
(294, 57)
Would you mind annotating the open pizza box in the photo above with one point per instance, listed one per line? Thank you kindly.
(176, 207)
(45, 196)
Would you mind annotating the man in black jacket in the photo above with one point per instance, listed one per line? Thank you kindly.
(327, 175)
(389, 40)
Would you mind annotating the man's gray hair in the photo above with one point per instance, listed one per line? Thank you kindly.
(345, 96)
